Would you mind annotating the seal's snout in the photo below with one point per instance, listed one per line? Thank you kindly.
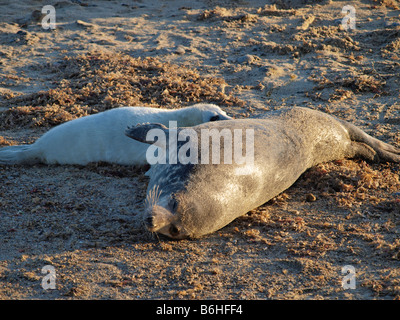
(162, 220)
(149, 222)
(158, 217)
(224, 117)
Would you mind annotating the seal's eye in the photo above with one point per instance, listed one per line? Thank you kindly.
(214, 118)
(173, 231)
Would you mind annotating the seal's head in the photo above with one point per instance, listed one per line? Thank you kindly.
(201, 113)
(163, 214)
(179, 205)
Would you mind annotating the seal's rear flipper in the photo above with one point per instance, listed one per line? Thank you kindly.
(23, 154)
(360, 149)
(384, 151)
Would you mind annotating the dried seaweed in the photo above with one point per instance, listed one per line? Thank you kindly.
(99, 81)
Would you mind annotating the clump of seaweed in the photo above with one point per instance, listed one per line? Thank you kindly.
(98, 81)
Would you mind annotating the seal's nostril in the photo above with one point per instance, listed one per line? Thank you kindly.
(150, 222)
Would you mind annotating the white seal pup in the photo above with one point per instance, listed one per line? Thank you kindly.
(101, 137)
(191, 200)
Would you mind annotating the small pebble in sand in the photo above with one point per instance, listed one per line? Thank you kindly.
(248, 58)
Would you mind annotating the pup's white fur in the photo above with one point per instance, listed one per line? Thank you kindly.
(101, 137)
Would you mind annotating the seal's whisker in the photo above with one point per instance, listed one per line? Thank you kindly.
(153, 196)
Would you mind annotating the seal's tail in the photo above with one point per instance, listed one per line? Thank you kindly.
(23, 154)
(383, 151)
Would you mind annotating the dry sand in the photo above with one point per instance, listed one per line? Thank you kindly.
(247, 56)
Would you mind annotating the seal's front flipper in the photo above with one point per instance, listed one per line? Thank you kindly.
(147, 132)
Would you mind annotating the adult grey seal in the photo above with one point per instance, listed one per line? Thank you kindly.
(100, 137)
(191, 200)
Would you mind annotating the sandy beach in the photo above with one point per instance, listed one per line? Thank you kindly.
(249, 57)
